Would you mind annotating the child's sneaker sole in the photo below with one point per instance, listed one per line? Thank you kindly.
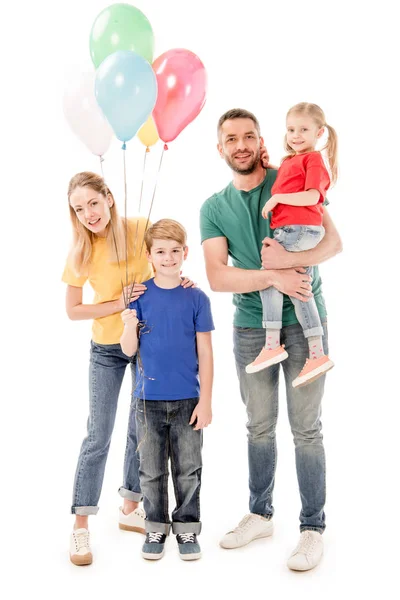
(268, 363)
(302, 381)
(190, 556)
(151, 556)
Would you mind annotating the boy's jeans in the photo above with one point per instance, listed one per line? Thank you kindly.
(106, 372)
(294, 238)
(260, 395)
(164, 432)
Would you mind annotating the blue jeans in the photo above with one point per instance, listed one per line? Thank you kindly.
(164, 433)
(106, 372)
(260, 395)
(294, 238)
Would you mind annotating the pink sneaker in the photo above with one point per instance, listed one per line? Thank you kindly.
(312, 370)
(266, 358)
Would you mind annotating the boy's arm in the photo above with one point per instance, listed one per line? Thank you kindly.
(203, 411)
(274, 256)
(129, 337)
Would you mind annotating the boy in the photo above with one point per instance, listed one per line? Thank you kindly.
(174, 348)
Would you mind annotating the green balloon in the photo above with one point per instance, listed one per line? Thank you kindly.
(121, 27)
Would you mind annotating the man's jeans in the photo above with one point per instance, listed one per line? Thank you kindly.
(164, 432)
(294, 238)
(106, 372)
(260, 395)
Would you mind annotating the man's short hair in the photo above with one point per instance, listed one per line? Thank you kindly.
(237, 113)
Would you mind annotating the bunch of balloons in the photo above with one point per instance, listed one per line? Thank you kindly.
(129, 94)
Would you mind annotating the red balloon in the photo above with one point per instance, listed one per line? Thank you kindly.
(182, 83)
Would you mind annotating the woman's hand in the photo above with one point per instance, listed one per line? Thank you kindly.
(131, 294)
(187, 283)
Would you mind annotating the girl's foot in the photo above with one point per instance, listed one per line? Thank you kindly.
(312, 370)
(266, 358)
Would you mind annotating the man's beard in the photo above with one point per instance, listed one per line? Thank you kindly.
(247, 170)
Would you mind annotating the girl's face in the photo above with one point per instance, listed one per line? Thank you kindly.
(92, 209)
(302, 133)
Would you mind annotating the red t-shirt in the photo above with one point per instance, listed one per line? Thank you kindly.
(298, 174)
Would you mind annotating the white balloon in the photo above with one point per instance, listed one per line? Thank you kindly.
(84, 115)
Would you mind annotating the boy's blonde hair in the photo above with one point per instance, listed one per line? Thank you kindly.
(317, 115)
(165, 229)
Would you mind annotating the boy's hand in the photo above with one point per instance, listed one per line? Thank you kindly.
(129, 318)
(203, 414)
(269, 206)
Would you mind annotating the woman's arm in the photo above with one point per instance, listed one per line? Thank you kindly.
(77, 311)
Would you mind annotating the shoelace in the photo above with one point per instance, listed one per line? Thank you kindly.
(81, 540)
(243, 525)
(155, 537)
(187, 538)
(306, 543)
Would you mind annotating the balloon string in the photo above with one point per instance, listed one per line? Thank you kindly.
(152, 199)
(137, 222)
(126, 219)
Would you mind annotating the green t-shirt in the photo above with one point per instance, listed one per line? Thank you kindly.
(236, 215)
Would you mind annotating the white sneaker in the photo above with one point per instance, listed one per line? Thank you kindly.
(252, 527)
(132, 522)
(308, 552)
(80, 552)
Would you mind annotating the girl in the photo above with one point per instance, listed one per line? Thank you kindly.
(296, 204)
(98, 256)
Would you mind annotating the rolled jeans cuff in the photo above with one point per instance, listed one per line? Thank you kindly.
(132, 496)
(186, 528)
(314, 332)
(84, 511)
(152, 527)
(272, 324)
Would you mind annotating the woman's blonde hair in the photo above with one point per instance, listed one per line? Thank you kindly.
(165, 229)
(81, 251)
(317, 114)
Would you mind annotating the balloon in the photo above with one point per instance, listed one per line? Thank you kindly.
(182, 82)
(84, 115)
(121, 27)
(148, 134)
(126, 90)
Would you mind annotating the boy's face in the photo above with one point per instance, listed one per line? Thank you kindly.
(167, 256)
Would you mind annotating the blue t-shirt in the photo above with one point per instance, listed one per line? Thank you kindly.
(167, 367)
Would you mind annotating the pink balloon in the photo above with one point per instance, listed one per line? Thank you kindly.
(182, 83)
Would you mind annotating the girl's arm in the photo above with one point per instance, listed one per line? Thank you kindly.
(77, 311)
(203, 411)
(129, 337)
(308, 198)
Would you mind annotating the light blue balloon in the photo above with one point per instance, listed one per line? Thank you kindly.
(126, 91)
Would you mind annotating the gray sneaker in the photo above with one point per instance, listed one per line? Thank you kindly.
(153, 547)
(189, 548)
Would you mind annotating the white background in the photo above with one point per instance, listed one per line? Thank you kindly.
(263, 56)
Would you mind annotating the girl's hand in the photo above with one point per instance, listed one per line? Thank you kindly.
(130, 295)
(129, 318)
(187, 283)
(264, 157)
(269, 206)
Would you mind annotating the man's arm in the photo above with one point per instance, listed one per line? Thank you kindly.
(274, 256)
(224, 278)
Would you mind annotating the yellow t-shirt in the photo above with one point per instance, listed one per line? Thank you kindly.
(105, 278)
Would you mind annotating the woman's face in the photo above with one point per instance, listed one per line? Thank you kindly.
(92, 208)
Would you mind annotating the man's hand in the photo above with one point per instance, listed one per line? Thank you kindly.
(203, 414)
(274, 255)
(294, 283)
(269, 206)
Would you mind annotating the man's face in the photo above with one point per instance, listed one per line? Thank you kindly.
(239, 145)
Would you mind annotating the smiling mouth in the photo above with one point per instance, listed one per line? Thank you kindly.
(92, 223)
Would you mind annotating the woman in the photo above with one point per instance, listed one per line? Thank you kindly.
(98, 256)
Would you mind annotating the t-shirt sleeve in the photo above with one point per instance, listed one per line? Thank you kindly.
(203, 320)
(208, 228)
(317, 176)
(71, 278)
(136, 306)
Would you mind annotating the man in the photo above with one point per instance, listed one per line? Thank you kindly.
(232, 225)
